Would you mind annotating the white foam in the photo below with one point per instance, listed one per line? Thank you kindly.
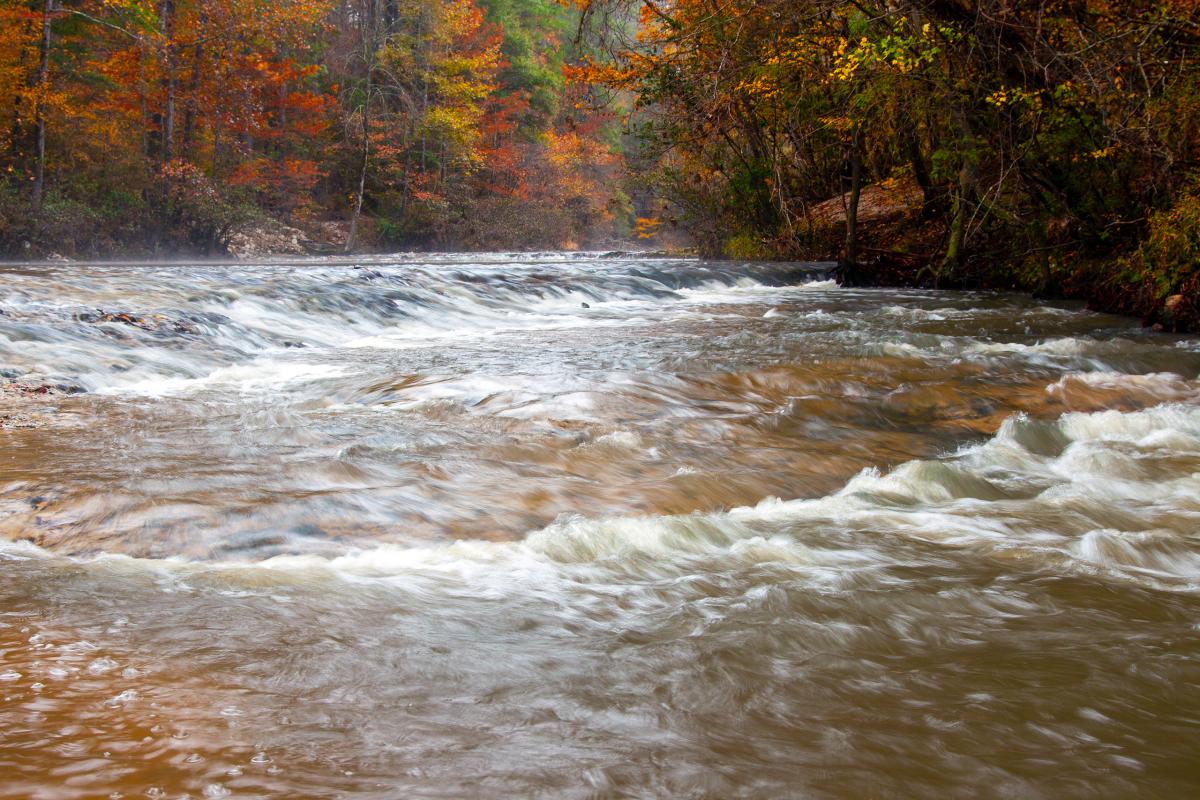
(259, 376)
(622, 440)
(1165, 386)
(1035, 490)
(1065, 346)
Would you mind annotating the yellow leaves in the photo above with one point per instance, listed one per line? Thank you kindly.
(839, 124)
(847, 66)
(1007, 96)
(902, 51)
(760, 88)
(18, 58)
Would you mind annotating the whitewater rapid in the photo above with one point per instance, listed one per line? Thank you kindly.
(586, 526)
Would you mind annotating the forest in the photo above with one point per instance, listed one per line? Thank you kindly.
(1049, 146)
(163, 127)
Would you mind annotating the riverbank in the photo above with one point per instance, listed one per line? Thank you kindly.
(1153, 277)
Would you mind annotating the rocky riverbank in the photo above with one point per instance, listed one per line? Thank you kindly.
(1154, 279)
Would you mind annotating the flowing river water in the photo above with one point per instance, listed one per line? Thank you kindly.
(569, 526)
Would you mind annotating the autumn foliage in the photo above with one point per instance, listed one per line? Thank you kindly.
(166, 125)
(1040, 137)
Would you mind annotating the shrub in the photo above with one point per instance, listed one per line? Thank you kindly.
(1169, 256)
(746, 247)
(194, 215)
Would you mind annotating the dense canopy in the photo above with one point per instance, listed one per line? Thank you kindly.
(166, 124)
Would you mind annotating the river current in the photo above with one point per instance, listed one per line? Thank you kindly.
(575, 526)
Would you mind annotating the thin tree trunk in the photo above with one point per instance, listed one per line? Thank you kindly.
(168, 126)
(39, 168)
(855, 194)
(362, 175)
(214, 169)
(192, 105)
(963, 198)
(964, 194)
(370, 44)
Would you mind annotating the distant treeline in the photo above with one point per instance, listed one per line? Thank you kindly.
(165, 125)
(1049, 145)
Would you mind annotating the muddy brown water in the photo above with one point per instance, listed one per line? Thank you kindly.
(432, 527)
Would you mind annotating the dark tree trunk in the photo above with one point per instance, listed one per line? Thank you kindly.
(855, 193)
(962, 203)
(190, 111)
(929, 194)
(43, 80)
(169, 81)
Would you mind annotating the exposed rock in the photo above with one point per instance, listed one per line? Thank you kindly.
(156, 322)
(19, 404)
(267, 238)
(1180, 312)
(330, 236)
(271, 237)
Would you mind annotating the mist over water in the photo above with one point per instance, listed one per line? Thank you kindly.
(575, 526)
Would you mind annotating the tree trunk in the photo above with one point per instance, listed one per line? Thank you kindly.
(855, 193)
(921, 173)
(169, 81)
(370, 45)
(362, 175)
(191, 108)
(963, 196)
(43, 81)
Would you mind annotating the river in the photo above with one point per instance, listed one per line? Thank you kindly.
(575, 526)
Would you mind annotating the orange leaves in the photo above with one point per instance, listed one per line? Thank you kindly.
(588, 71)
(255, 96)
(20, 32)
(282, 183)
(647, 227)
(580, 171)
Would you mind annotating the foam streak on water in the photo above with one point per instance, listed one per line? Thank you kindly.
(583, 526)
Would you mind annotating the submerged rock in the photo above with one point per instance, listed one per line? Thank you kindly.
(156, 322)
